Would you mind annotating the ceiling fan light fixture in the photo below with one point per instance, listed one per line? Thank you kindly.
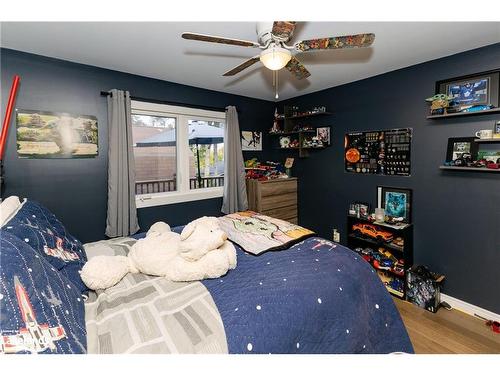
(275, 58)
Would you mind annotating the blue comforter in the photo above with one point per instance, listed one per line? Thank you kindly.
(315, 297)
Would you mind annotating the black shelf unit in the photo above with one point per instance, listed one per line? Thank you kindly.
(291, 122)
(405, 252)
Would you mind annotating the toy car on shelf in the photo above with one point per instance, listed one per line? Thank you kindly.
(367, 254)
(398, 241)
(387, 254)
(370, 230)
(383, 264)
(398, 269)
(397, 285)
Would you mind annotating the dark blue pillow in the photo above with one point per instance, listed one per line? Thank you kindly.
(41, 311)
(39, 228)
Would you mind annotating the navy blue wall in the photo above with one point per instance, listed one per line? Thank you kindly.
(456, 214)
(76, 189)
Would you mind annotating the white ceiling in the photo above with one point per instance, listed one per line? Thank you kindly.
(156, 49)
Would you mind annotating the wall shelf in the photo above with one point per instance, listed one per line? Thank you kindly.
(487, 140)
(458, 114)
(468, 169)
(312, 131)
(293, 122)
(307, 115)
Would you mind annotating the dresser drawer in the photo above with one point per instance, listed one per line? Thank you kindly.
(278, 201)
(284, 213)
(278, 187)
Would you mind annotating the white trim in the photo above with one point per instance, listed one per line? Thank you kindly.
(186, 111)
(158, 199)
(469, 308)
(182, 116)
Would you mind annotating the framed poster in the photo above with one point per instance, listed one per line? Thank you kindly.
(396, 202)
(323, 135)
(251, 141)
(472, 90)
(384, 152)
(459, 146)
(47, 135)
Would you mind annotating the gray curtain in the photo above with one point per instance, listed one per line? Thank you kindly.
(235, 193)
(122, 212)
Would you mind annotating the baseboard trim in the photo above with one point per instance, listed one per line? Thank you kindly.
(469, 308)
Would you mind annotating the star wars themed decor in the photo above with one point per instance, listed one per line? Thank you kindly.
(251, 141)
(424, 288)
(385, 152)
(56, 135)
(471, 93)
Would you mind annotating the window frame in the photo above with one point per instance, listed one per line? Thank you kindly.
(182, 116)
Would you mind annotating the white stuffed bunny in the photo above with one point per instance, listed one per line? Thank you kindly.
(200, 251)
(199, 237)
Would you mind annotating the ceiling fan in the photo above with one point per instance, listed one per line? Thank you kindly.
(275, 55)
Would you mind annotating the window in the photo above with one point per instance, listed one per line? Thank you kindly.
(178, 152)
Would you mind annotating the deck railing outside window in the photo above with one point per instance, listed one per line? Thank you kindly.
(162, 186)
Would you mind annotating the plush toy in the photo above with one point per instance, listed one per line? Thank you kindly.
(201, 251)
(201, 236)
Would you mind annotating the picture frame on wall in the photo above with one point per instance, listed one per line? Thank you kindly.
(323, 134)
(251, 141)
(480, 89)
(397, 203)
(457, 146)
(56, 135)
(362, 209)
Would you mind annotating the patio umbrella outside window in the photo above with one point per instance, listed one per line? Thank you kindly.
(199, 134)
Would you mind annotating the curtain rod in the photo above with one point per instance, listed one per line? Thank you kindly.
(218, 109)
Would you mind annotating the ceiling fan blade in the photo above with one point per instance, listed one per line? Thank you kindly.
(346, 41)
(283, 30)
(295, 67)
(219, 39)
(242, 66)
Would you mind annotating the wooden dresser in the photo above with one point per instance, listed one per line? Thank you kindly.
(276, 198)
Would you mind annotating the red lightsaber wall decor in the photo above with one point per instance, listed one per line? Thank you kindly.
(8, 113)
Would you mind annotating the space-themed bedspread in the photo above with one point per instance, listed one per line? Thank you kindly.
(315, 297)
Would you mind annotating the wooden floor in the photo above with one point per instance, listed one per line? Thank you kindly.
(447, 332)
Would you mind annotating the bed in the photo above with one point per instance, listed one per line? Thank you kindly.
(313, 297)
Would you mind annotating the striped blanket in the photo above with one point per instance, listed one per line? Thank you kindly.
(146, 314)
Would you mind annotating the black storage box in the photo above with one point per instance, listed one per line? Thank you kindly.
(424, 288)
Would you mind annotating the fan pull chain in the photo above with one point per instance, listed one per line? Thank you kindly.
(276, 96)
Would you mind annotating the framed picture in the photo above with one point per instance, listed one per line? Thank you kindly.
(289, 162)
(384, 152)
(251, 141)
(472, 90)
(362, 209)
(458, 146)
(323, 135)
(51, 135)
(396, 202)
